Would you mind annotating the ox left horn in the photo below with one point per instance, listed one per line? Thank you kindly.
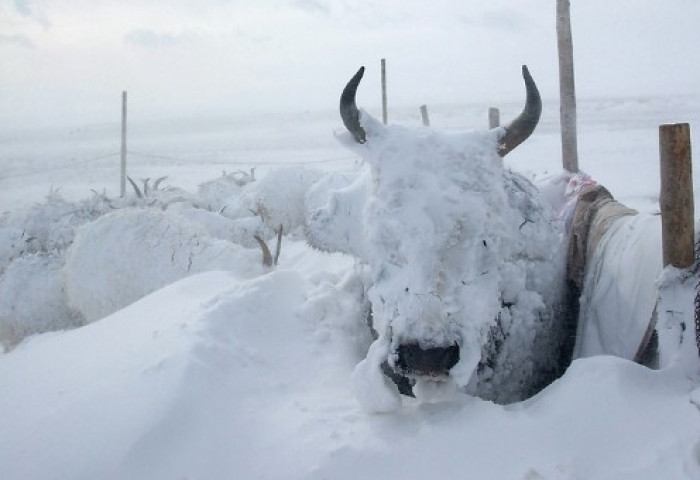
(523, 126)
(348, 108)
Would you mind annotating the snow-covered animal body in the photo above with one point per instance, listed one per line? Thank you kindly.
(164, 245)
(466, 262)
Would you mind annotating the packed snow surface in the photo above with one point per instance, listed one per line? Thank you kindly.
(212, 377)
(248, 372)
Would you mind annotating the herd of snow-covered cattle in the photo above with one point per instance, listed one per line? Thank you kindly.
(471, 272)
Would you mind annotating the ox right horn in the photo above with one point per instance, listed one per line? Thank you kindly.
(523, 126)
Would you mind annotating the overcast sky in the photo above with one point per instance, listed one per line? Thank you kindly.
(70, 59)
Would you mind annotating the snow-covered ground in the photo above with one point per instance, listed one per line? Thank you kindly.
(243, 371)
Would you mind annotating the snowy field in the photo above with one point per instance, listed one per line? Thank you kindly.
(618, 145)
(217, 367)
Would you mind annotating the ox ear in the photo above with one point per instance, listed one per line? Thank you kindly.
(523, 126)
(348, 108)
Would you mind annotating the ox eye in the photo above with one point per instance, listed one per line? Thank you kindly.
(486, 245)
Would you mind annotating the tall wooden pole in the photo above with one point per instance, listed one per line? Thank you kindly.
(567, 90)
(122, 182)
(676, 196)
(385, 115)
(677, 204)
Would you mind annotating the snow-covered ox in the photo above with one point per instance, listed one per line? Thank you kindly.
(465, 260)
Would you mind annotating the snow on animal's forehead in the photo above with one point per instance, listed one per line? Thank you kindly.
(421, 172)
(430, 191)
(409, 148)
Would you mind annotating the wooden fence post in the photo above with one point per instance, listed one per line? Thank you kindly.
(424, 115)
(676, 196)
(385, 115)
(567, 91)
(494, 117)
(122, 183)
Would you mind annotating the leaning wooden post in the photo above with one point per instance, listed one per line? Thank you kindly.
(676, 197)
(122, 183)
(424, 115)
(385, 114)
(567, 90)
(494, 117)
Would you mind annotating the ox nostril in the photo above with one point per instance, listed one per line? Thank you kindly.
(437, 361)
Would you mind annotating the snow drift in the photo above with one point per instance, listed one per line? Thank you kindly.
(207, 376)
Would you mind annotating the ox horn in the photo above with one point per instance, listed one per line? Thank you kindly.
(348, 108)
(523, 126)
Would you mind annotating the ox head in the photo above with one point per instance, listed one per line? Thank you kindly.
(440, 232)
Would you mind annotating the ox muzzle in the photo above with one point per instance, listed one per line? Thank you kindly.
(413, 361)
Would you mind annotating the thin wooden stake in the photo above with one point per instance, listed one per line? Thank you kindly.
(676, 197)
(279, 245)
(494, 117)
(122, 183)
(424, 115)
(385, 114)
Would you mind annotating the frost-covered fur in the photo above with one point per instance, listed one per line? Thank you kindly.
(141, 250)
(278, 198)
(33, 299)
(460, 251)
(335, 220)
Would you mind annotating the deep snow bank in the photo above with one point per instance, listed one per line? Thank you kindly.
(181, 383)
(217, 378)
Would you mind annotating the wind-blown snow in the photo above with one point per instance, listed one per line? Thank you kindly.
(249, 373)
